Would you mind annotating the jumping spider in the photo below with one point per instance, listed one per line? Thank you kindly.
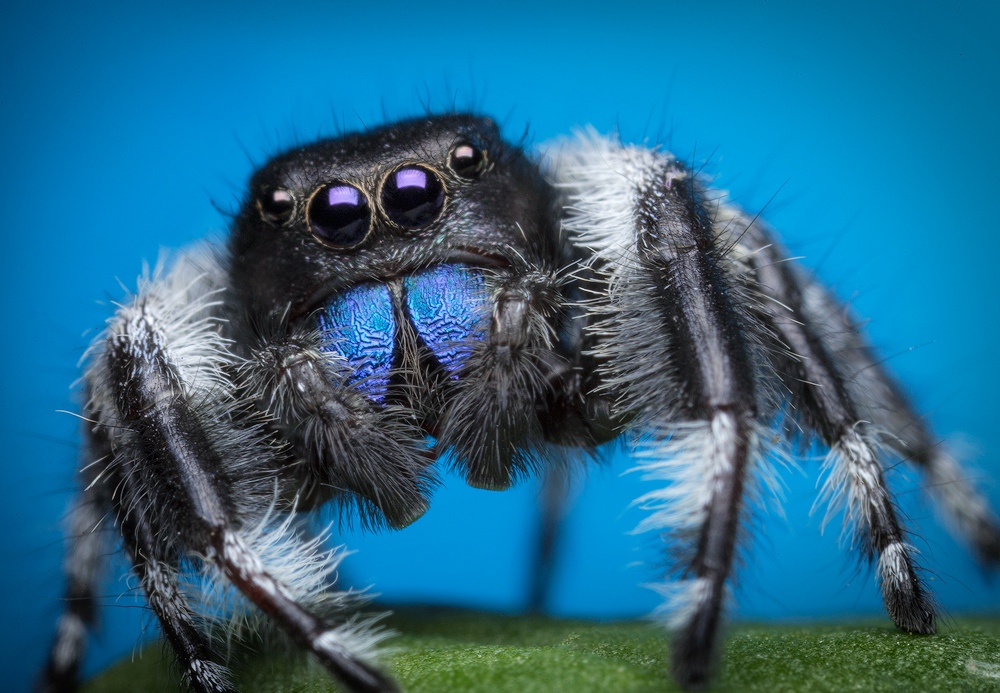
(426, 288)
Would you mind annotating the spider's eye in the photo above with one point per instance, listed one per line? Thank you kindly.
(339, 215)
(413, 196)
(467, 160)
(276, 206)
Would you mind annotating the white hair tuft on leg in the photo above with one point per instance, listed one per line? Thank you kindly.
(681, 600)
(693, 458)
(304, 568)
(853, 483)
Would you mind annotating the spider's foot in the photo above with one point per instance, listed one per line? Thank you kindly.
(912, 612)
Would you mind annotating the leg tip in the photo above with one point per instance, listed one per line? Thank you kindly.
(915, 616)
(489, 479)
(693, 663)
(412, 514)
(691, 678)
(987, 545)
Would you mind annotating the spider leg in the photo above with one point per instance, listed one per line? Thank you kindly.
(673, 352)
(554, 494)
(196, 473)
(908, 435)
(158, 576)
(826, 405)
(83, 568)
(173, 463)
(720, 394)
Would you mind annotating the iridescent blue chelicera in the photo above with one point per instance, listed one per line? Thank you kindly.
(449, 307)
(359, 325)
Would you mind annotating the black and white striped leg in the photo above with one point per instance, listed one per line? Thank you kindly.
(83, 568)
(157, 573)
(246, 571)
(672, 349)
(181, 488)
(330, 645)
(698, 617)
(675, 250)
(907, 434)
(855, 473)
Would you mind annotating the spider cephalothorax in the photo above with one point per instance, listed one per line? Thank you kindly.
(427, 288)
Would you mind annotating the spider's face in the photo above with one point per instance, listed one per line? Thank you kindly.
(385, 204)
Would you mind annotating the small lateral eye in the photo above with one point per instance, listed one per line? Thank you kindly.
(466, 160)
(413, 196)
(276, 205)
(339, 215)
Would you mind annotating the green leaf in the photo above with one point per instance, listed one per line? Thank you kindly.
(450, 650)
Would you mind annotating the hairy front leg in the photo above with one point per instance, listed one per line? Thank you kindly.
(198, 476)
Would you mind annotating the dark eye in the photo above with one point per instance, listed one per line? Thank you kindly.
(276, 206)
(339, 215)
(413, 196)
(467, 160)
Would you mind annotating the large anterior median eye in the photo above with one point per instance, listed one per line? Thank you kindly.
(339, 215)
(412, 196)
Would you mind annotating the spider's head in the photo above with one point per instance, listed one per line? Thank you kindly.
(383, 204)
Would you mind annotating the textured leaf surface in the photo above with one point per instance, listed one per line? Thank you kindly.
(445, 650)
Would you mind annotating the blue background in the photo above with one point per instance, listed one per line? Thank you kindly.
(119, 125)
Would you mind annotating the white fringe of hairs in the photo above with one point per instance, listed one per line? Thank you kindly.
(851, 479)
(177, 301)
(306, 568)
(603, 178)
(852, 483)
(690, 458)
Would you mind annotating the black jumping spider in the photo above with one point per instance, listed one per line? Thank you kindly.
(425, 288)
